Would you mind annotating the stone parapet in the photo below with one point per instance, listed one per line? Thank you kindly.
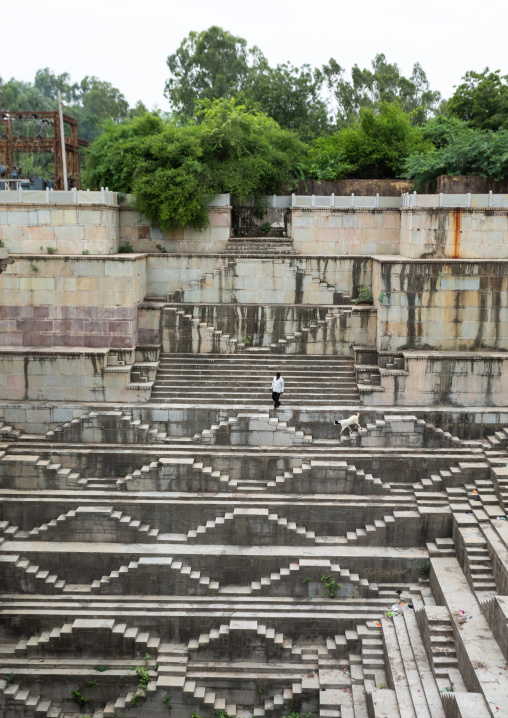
(67, 229)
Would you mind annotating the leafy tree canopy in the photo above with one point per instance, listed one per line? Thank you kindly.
(174, 169)
(207, 65)
(375, 146)
(481, 100)
(92, 101)
(215, 64)
(383, 83)
(459, 149)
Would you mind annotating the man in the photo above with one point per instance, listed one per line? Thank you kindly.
(277, 390)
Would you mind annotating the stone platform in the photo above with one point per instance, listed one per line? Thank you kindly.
(172, 545)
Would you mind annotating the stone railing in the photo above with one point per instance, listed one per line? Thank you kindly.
(49, 196)
(413, 200)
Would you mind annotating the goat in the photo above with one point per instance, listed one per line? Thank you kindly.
(348, 423)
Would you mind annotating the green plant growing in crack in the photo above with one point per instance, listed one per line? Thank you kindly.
(165, 699)
(265, 227)
(364, 296)
(381, 296)
(34, 267)
(93, 684)
(80, 698)
(424, 570)
(101, 669)
(246, 340)
(306, 580)
(8, 678)
(143, 675)
(331, 585)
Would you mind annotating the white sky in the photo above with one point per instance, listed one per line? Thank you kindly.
(126, 42)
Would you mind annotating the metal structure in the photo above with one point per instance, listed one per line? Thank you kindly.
(12, 142)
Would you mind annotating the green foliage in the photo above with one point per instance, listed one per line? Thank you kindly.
(481, 100)
(34, 267)
(306, 580)
(331, 586)
(101, 669)
(165, 699)
(292, 96)
(8, 678)
(207, 65)
(374, 147)
(80, 698)
(265, 227)
(295, 714)
(459, 150)
(364, 296)
(114, 156)
(381, 296)
(125, 248)
(51, 250)
(93, 684)
(368, 89)
(215, 64)
(161, 248)
(174, 170)
(85, 251)
(424, 570)
(92, 101)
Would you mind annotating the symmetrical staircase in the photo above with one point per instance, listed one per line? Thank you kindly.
(232, 380)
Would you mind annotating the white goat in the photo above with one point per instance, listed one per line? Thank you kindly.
(348, 423)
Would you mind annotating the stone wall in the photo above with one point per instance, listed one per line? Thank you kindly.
(82, 301)
(445, 379)
(454, 233)
(441, 305)
(461, 184)
(144, 237)
(359, 187)
(284, 280)
(62, 375)
(69, 229)
(345, 231)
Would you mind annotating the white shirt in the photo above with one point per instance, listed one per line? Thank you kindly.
(278, 385)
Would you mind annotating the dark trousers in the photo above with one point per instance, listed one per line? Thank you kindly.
(275, 399)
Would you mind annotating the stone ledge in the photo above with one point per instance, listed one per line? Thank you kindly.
(400, 259)
(460, 356)
(82, 257)
(60, 351)
(20, 206)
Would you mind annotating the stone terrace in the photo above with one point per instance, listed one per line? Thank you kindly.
(170, 543)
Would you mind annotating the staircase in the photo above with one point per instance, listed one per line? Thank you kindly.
(229, 380)
(260, 245)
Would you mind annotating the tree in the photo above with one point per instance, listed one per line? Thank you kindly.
(48, 83)
(207, 65)
(292, 96)
(114, 156)
(481, 100)
(384, 83)
(174, 169)
(459, 149)
(98, 101)
(92, 101)
(376, 146)
(215, 64)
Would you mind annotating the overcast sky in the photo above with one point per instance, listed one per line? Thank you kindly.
(127, 42)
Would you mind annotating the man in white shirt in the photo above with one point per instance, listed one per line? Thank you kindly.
(277, 390)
